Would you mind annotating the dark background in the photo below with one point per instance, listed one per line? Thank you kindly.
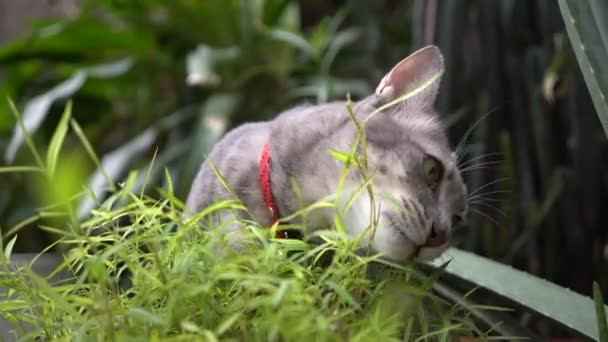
(511, 60)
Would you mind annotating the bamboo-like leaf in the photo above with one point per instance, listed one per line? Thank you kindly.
(602, 324)
(57, 140)
(539, 295)
(8, 250)
(20, 169)
(37, 108)
(292, 39)
(587, 26)
(341, 156)
(114, 164)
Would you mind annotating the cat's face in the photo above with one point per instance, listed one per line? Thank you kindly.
(418, 186)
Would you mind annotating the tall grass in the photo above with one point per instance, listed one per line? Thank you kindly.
(139, 270)
(185, 283)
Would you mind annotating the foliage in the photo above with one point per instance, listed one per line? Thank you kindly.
(543, 297)
(143, 271)
(162, 80)
(587, 26)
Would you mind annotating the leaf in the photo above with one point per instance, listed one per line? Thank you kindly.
(20, 169)
(76, 37)
(600, 310)
(343, 294)
(341, 40)
(341, 156)
(491, 316)
(145, 316)
(57, 140)
(539, 295)
(202, 64)
(587, 26)
(8, 250)
(227, 323)
(292, 39)
(37, 108)
(114, 164)
(274, 10)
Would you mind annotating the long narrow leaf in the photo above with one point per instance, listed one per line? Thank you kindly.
(587, 26)
(57, 140)
(602, 324)
(537, 294)
(37, 109)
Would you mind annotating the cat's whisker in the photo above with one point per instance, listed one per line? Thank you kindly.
(470, 130)
(482, 195)
(476, 169)
(488, 163)
(485, 200)
(480, 167)
(485, 215)
(464, 163)
(488, 184)
(489, 206)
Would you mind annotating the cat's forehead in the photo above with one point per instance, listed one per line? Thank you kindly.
(419, 135)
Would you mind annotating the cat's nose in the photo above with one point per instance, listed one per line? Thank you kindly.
(437, 237)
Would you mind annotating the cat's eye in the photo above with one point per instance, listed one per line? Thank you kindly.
(432, 171)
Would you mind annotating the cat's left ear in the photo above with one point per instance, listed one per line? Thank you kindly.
(418, 75)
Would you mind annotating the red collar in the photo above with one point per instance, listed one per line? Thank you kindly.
(266, 187)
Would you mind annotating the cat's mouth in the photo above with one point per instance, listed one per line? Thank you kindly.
(421, 251)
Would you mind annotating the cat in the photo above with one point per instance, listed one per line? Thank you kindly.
(419, 192)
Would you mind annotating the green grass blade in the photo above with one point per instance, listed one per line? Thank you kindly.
(537, 294)
(54, 148)
(8, 250)
(20, 169)
(37, 109)
(587, 26)
(292, 39)
(600, 310)
(21, 133)
(91, 151)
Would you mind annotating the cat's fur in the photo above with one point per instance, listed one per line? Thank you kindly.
(398, 139)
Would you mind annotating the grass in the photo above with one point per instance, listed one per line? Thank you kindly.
(141, 271)
(186, 285)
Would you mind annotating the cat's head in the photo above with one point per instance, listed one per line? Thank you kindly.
(421, 192)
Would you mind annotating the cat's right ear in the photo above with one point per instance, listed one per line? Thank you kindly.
(418, 75)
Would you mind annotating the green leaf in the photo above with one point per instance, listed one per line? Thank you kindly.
(227, 323)
(76, 37)
(57, 140)
(202, 63)
(340, 41)
(600, 310)
(20, 169)
(587, 26)
(273, 10)
(294, 40)
(145, 316)
(341, 156)
(537, 294)
(8, 250)
(36, 109)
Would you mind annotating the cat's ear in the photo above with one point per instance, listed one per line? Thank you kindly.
(418, 75)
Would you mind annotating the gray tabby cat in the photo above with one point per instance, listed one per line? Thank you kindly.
(420, 192)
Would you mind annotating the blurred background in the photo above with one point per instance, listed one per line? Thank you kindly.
(161, 80)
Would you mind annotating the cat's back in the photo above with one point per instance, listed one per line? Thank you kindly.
(320, 117)
(236, 157)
